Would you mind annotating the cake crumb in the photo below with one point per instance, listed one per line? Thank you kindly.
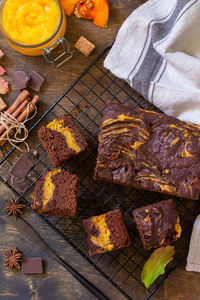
(3, 105)
(36, 153)
(84, 46)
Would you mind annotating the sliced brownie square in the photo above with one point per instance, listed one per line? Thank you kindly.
(106, 232)
(158, 224)
(62, 139)
(56, 194)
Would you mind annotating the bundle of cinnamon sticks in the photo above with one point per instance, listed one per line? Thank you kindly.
(19, 110)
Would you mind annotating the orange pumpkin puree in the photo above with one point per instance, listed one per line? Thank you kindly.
(30, 22)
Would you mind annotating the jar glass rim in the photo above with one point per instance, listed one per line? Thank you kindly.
(40, 45)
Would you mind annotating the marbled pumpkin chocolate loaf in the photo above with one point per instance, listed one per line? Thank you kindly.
(149, 150)
(106, 232)
(62, 139)
(158, 224)
(56, 194)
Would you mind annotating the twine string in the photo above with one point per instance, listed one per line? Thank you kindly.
(13, 126)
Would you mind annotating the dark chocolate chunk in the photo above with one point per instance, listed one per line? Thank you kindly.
(21, 79)
(20, 185)
(149, 150)
(32, 265)
(36, 81)
(21, 168)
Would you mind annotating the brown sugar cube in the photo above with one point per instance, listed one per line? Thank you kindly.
(84, 46)
(3, 105)
(1, 54)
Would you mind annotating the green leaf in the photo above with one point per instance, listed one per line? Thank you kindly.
(156, 263)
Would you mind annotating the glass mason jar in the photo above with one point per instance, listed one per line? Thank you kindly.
(45, 47)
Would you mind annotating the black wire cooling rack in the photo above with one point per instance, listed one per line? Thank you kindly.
(85, 100)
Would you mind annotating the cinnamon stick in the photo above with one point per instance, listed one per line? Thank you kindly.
(24, 94)
(16, 113)
(21, 117)
(20, 99)
(20, 109)
(29, 100)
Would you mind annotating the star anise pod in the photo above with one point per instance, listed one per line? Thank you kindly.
(13, 258)
(13, 207)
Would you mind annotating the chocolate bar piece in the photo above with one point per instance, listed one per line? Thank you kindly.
(158, 224)
(106, 232)
(21, 168)
(36, 81)
(21, 185)
(149, 150)
(21, 79)
(32, 265)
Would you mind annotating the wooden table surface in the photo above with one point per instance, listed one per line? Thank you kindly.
(56, 282)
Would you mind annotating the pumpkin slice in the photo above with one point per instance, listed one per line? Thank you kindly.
(68, 6)
(97, 10)
(101, 17)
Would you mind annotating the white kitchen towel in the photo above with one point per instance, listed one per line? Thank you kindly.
(193, 259)
(157, 51)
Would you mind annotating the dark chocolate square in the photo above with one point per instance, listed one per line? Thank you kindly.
(20, 185)
(21, 168)
(32, 265)
(36, 81)
(21, 79)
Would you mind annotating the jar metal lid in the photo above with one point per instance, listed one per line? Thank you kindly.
(59, 60)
